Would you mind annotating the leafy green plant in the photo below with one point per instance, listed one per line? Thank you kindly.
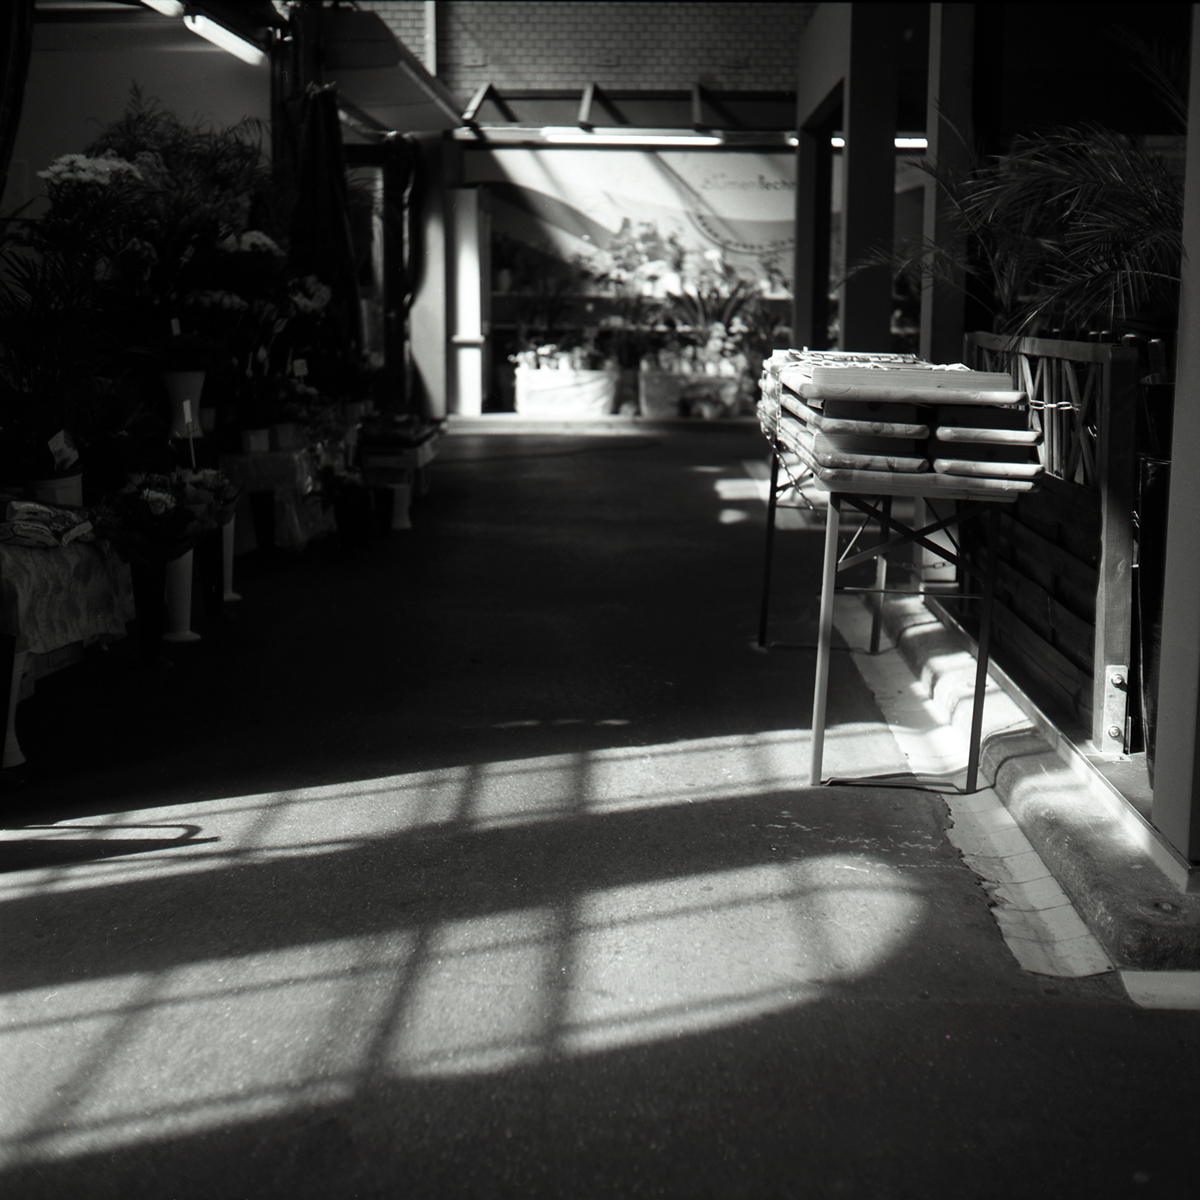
(1073, 230)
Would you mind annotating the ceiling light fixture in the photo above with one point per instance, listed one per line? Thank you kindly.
(900, 143)
(221, 36)
(168, 8)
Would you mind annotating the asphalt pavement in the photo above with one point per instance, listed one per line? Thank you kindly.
(483, 862)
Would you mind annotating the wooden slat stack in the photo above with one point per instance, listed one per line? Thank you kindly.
(891, 424)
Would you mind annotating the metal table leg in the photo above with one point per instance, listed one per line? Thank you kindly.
(772, 494)
(881, 575)
(825, 635)
(983, 650)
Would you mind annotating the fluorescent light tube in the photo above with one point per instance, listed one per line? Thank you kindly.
(225, 38)
(901, 143)
(168, 8)
(566, 135)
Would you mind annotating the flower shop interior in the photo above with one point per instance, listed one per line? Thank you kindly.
(410, 600)
(263, 260)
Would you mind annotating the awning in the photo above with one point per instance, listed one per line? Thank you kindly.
(383, 87)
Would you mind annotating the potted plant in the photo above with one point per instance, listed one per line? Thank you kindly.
(150, 524)
(345, 492)
(720, 329)
(1076, 233)
(695, 317)
(561, 381)
(56, 305)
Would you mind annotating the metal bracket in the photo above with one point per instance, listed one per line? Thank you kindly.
(1116, 702)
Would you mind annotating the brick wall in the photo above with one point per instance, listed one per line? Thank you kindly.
(567, 43)
(406, 19)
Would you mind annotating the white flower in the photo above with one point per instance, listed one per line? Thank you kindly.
(158, 502)
(79, 168)
(254, 239)
(217, 299)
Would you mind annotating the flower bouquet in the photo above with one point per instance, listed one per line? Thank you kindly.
(149, 520)
(209, 493)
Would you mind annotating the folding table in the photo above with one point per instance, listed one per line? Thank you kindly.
(801, 434)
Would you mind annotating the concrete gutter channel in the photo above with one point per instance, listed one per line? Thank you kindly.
(1128, 887)
(1079, 880)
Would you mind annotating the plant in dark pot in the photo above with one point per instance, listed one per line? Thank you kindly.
(352, 503)
(48, 378)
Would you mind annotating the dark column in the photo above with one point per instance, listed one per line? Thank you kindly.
(948, 128)
(814, 161)
(869, 173)
(1176, 808)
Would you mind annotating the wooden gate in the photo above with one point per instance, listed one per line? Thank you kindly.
(1064, 596)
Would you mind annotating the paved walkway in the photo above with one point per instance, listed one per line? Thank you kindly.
(484, 864)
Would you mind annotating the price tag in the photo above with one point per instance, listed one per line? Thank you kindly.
(175, 327)
(61, 447)
(300, 368)
(187, 413)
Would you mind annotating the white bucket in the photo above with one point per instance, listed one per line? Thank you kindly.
(550, 393)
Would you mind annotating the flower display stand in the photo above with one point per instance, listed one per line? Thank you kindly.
(62, 490)
(149, 580)
(287, 435)
(12, 749)
(277, 508)
(566, 393)
(179, 600)
(399, 473)
(665, 394)
(227, 545)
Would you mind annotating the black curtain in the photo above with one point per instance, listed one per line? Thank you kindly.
(16, 45)
(319, 228)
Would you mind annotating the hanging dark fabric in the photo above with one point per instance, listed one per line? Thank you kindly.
(320, 233)
(16, 48)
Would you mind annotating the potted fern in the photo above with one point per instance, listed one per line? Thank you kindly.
(1077, 233)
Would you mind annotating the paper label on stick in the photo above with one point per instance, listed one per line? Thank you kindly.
(61, 447)
(187, 413)
(175, 327)
(300, 368)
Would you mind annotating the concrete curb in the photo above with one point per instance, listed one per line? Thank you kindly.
(613, 425)
(1107, 866)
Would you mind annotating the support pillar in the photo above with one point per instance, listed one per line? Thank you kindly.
(469, 301)
(948, 132)
(810, 306)
(869, 174)
(1176, 805)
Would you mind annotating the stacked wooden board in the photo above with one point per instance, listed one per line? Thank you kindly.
(891, 424)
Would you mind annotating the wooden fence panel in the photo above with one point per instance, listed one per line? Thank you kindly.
(1065, 577)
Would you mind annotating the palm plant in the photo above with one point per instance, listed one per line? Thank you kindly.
(1074, 230)
(1084, 231)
